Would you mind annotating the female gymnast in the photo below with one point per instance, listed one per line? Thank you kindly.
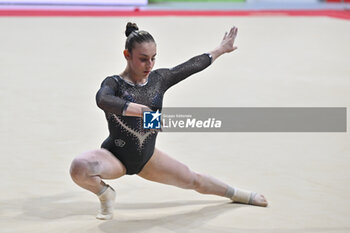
(130, 149)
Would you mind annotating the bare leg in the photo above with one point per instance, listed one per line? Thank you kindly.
(164, 169)
(88, 169)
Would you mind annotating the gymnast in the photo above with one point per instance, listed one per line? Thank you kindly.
(130, 148)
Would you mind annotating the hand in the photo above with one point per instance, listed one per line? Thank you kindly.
(137, 110)
(226, 45)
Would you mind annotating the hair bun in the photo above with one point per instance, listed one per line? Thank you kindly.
(130, 27)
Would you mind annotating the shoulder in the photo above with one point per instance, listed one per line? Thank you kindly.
(110, 81)
(161, 72)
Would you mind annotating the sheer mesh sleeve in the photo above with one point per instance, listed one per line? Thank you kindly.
(184, 70)
(107, 100)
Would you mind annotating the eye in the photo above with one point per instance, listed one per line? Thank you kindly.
(153, 59)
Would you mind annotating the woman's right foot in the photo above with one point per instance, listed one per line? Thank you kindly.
(107, 199)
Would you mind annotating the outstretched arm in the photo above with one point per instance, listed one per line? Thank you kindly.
(226, 45)
(198, 63)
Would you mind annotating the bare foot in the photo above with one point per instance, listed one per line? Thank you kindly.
(259, 200)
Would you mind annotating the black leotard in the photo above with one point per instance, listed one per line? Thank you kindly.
(128, 140)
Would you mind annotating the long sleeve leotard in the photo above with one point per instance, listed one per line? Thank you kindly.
(128, 140)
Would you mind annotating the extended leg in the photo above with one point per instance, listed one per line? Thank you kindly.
(164, 169)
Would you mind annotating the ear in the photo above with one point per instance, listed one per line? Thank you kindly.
(126, 54)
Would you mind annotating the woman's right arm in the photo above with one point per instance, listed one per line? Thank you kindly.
(109, 102)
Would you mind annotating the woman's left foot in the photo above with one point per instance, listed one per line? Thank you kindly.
(259, 200)
(246, 197)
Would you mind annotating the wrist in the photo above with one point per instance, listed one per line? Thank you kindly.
(220, 51)
(216, 53)
(126, 105)
(132, 109)
(210, 57)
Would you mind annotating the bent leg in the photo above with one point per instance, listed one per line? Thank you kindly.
(164, 169)
(89, 168)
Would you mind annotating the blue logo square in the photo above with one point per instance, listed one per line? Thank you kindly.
(151, 120)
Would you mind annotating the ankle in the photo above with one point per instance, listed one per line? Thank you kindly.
(104, 188)
(230, 192)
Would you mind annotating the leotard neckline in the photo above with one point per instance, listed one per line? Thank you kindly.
(133, 84)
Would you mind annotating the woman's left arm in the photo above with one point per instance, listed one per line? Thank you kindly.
(198, 63)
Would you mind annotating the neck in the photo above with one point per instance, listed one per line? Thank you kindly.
(129, 75)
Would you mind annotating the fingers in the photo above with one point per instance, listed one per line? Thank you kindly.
(227, 44)
(225, 36)
(233, 32)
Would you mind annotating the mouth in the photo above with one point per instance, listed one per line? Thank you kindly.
(146, 72)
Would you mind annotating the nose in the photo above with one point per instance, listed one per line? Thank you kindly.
(149, 64)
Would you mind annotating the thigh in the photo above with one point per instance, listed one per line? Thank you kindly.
(102, 163)
(164, 169)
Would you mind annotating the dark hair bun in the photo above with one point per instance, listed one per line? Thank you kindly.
(130, 27)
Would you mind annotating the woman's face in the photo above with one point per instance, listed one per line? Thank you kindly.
(142, 58)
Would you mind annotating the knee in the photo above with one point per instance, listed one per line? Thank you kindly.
(78, 169)
(193, 181)
(198, 183)
(81, 168)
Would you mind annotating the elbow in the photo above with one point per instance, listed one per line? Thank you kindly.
(100, 101)
(99, 104)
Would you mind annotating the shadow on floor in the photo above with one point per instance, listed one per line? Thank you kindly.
(66, 205)
(191, 216)
(175, 222)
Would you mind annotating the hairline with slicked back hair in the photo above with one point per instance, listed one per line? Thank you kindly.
(134, 35)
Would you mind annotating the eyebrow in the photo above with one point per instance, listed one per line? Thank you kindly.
(147, 55)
